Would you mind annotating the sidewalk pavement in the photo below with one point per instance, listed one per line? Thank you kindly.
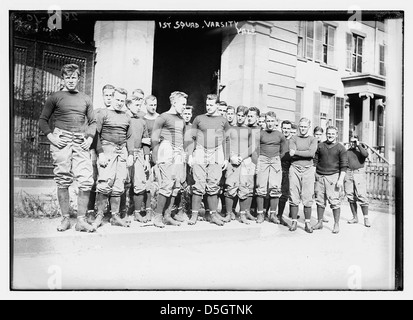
(33, 236)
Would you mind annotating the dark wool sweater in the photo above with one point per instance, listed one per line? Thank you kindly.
(73, 111)
(114, 127)
(169, 127)
(330, 158)
(210, 131)
(357, 157)
(272, 143)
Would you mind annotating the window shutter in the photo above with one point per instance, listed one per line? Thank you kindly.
(319, 41)
(316, 109)
(298, 103)
(349, 41)
(339, 117)
(381, 61)
(331, 111)
(331, 44)
(310, 39)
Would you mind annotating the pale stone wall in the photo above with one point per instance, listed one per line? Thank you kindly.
(282, 69)
(124, 56)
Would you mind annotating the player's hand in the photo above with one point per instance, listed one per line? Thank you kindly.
(339, 184)
(225, 165)
(147, 165)
(235, 160)
(102, 160)
(129, 161)
(190, 161)
(85, 145)
(292, 152)
(146, 141)
(56, 141)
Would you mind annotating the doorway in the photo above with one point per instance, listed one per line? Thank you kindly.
(186, 60)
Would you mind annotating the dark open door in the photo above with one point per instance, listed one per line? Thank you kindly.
(186, 60)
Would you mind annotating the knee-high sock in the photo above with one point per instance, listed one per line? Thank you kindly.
(138, 200)
(229, 202)
(294, 212)
(260, 204)
(115, 204)
(92, 200)
(148, 200)
(64, 201)
(82, 202)
(245, 204)
(161, 203)
(274, 204)
(212, 202)
(307, 213)
(196, 202)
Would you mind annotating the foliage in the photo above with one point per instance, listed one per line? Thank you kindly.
(38, 206)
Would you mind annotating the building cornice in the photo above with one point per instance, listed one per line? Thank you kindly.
(364, 76)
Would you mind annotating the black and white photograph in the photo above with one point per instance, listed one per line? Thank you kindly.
(206, 150)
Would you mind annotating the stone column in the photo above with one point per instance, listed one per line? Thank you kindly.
(124, 56)
(244, 63)
(366, 135)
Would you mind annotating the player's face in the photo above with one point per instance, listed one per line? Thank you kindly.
(318, 135)
(331, 135)
(222, 110)
(252, 118)
(286, 130)
(135, 106)
(179, 104)
(271, 123)
(241, 118)
(118, 101)
(261, 122)
(108, 97)
(211, 106)
(303, 127)
(151, 106)
(187, 115)
(70, 81)
(230, 115)
(138, 100)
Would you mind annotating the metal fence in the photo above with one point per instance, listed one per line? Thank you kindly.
(36, 75)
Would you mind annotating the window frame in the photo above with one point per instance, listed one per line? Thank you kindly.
(311, 44)
(353, 56)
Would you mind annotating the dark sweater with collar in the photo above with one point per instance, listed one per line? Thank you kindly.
(330, 158)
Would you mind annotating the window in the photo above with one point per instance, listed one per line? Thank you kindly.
(382, 70)
(329, 110)
(326, 110)
(339, 117)
(316, 40)
(354, 49)
(328, 45)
